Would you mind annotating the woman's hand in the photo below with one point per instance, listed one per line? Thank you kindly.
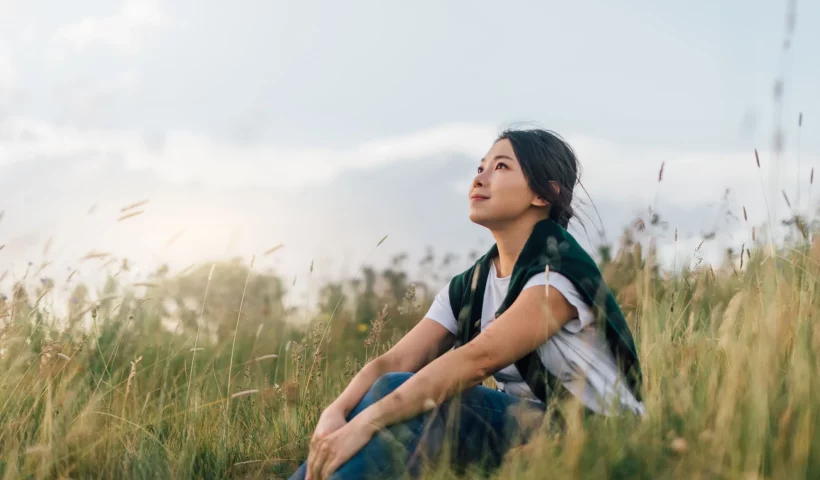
(330, 421)
(330, 451)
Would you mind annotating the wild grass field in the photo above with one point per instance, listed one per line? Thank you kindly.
(207, 373)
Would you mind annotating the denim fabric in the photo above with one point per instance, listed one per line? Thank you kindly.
(478, 426)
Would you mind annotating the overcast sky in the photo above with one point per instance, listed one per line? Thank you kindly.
(327, 125)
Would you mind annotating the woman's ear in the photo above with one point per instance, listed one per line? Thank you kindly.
(540, 201)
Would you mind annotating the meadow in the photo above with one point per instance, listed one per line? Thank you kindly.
(208, 373)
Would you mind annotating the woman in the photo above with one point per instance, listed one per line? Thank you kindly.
(568, 337)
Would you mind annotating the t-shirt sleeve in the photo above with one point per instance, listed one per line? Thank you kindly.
(563, 285)
(441, 312)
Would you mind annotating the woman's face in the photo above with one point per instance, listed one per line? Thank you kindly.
(500, 193)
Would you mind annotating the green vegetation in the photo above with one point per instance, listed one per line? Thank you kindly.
(209, 374)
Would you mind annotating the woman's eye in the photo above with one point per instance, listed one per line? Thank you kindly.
(499, 165)
(480, 169)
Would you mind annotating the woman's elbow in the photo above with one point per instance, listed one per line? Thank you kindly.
(381, 365)
(480, 363)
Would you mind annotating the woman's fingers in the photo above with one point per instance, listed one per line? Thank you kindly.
(314, 464)
(313, 449)
(313, 470)
(329, 467)
(319, 455)
(309, 465)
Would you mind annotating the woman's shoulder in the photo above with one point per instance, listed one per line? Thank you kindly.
(462, 278)
(570, 293)
(458, 287)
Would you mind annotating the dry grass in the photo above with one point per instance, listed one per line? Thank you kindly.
(730, 356)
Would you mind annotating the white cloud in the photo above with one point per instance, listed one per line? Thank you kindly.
(28, 33)
(7, 6)
(122, 31)
(8, 74)
(85, 98)
(622, 181)
(185, 156)
(611, 171)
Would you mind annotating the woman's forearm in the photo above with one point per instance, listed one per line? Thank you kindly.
(427, 340)
(515, 333)
(443, 378)
(360, 384)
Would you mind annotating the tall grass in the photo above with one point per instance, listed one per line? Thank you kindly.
(171, 384)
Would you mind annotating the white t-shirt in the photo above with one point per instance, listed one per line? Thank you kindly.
(577, 354)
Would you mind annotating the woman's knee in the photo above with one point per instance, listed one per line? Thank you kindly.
(389, 382)
(380, 389)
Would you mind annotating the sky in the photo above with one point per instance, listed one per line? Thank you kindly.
(325, 126)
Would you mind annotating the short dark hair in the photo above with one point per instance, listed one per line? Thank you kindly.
(544, 157)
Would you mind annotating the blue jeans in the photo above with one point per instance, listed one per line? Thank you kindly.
(477, 427)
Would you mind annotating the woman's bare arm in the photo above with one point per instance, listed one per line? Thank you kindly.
(425, 342)
(518, 331)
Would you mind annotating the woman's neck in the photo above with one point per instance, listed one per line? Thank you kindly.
(510, 240)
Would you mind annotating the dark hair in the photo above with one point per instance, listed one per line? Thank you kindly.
(544, 157)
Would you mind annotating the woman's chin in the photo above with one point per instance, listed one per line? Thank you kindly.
(479, 219)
